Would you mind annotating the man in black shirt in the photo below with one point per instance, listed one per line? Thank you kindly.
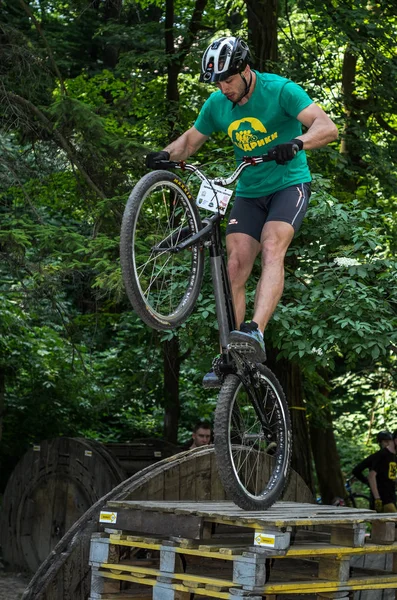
(383, 438)
(382, 479)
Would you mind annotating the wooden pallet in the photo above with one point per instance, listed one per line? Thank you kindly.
(233, 549)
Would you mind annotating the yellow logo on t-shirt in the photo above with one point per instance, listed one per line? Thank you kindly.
(249, 133)
(392, 470)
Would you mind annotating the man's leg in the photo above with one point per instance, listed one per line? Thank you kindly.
(242, 249)
(275, 239)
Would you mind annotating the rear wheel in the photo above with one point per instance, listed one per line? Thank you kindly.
(162, 285)
(360, 501)
(253, 441)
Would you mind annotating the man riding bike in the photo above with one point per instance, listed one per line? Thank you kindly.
(259, 112)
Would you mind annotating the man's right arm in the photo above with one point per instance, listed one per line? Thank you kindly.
(374, 489)
(358, 469)
(186, 145)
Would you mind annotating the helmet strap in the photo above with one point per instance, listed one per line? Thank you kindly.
(246, 90)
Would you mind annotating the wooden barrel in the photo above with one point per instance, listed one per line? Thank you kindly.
(53, 484)
(187, 476)
(141, 453)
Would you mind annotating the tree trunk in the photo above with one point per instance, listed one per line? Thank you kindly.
(357, 114)
(290, 377)
(326, 459)
(172, 363)
(173, 66)
(262, 32)
(112, 12)
(172, 358)
(2, 400)
(348, 84)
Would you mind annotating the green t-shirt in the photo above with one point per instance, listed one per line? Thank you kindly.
(267, 119)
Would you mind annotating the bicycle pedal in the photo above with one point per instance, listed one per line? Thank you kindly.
(241, 347)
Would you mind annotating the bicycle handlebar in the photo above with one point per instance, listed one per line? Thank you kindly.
(246, 161)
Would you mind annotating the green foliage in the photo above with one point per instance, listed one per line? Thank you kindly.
(76, 361)
(341, 277)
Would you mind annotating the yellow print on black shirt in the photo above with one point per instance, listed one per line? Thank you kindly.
(249, 133)
(392, 470)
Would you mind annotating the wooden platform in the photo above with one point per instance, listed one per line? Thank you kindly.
(216, 550)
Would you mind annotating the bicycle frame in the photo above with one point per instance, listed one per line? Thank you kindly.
(210, 235)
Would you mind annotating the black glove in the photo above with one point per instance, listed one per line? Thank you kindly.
(282, 153)
(153, 159)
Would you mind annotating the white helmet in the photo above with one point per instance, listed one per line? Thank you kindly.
(226, 56)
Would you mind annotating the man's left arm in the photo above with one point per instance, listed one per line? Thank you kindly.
(320, 129)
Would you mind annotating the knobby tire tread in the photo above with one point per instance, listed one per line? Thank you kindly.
(225, 468)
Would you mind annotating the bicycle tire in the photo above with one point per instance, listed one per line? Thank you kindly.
(162, 286)
(354, 497)
(240, 445)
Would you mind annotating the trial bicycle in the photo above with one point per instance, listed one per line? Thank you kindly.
(162, 247)
(356, 499)
(352, 498)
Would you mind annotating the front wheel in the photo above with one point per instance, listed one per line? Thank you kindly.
(253, 441)
(162, 285)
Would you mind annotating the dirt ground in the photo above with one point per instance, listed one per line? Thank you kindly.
(12, 585)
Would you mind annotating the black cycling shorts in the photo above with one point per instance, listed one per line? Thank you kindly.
(249, 215)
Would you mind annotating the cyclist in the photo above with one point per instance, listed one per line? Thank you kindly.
(259, 112)
(383, 438)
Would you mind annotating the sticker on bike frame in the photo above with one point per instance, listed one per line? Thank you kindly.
(262, 538)
(213, 197)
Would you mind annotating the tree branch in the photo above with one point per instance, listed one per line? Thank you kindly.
(192, 30)
(49, 126)
(385, 125)
(31, 16)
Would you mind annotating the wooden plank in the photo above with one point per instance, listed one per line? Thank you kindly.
(383, 533)
(155, 487)
(297, 513)
(203, 478)
(130, 595)
(316, 550)
(291, 489)
(162, 524)
(187, 480)
(217, 489)
(171, 483)
(349, 535)
(318, 585)
(334, 569)
(213, 583)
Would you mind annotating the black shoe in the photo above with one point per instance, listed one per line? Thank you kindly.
(211, 381)
(248, 340)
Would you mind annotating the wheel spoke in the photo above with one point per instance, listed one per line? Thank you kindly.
(162, 275)
(162, 285)
(253, 417)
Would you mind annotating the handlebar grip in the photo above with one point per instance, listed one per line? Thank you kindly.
(166, 164)
(269, 156)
